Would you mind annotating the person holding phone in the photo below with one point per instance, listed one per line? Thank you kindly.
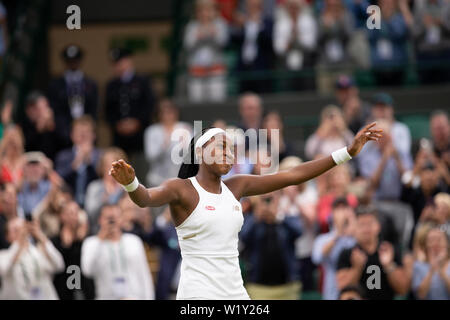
(28, 265)
(331, 134)
(116, 261)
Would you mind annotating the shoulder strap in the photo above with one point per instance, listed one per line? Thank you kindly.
(196, 185)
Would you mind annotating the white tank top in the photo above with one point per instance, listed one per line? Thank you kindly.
(208, 240)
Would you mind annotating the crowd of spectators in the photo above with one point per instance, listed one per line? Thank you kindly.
(314, 40)
(386, 210)
(376, 227)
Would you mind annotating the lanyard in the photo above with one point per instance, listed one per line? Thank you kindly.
(37, 270)
(112, 257)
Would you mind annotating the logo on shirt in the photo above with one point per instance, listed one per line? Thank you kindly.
(236, 208)
(210, 208)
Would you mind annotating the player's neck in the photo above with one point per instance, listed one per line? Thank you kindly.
(208, 180)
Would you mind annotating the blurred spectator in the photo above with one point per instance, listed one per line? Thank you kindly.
(242, 162)
(351, 293)
(440, 132)
(6, 116)
(431, 278)
(355, 7)
(47, 212)
(73, 94)
(250, 111)
(3, 32)
(219, 123)
(135, 220)
(270, 238)
(9, 209)
(105, 190)
(74, 227)
(442, 210)
(272, 121)
(358, 45)
(384, 164)
(251, 116)
(77, 165)
(227, 8)
(396, 218)
(355, 110)
(116, 261)
(35, 184)
(39, 127)
(331, 135)
(422, 183)
(388, 45)
(129, 103)
(295, 40)
(204, 40)
(11, 155)
(335, 31)
(431, 30)
(337, 185)
(165, 237)
(353, 264)
(264, 161)
(27, 267)
(328, 247)
(168, 135)
(385, 161)
(254, 37)
(300, 202)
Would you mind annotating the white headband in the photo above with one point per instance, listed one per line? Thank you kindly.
(208, 135)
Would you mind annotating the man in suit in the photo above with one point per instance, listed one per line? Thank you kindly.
(77, 165)
(39, 126)
(73, 94)
(129, 102)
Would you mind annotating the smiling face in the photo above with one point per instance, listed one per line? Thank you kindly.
(218, 154)
(436, 244)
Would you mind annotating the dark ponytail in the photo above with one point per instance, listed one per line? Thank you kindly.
(189, 167)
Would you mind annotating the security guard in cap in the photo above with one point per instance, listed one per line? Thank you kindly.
(73, 94)
(129, 103)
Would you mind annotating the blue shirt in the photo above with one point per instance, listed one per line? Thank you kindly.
(29, 198)
(390, 186)
(438, 289)
(329, 262)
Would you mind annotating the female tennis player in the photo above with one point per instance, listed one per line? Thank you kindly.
(207, 213)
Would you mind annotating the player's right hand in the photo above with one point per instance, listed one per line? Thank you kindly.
(122, 172)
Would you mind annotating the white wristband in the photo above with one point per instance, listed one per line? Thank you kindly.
(132, 186)
(341, 156)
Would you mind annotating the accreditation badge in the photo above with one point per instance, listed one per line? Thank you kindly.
(120, 288)
(36, 293)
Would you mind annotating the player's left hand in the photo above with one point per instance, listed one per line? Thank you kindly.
(363, 136)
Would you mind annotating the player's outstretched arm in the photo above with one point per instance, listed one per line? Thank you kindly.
(248, 185)
(124, 174)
